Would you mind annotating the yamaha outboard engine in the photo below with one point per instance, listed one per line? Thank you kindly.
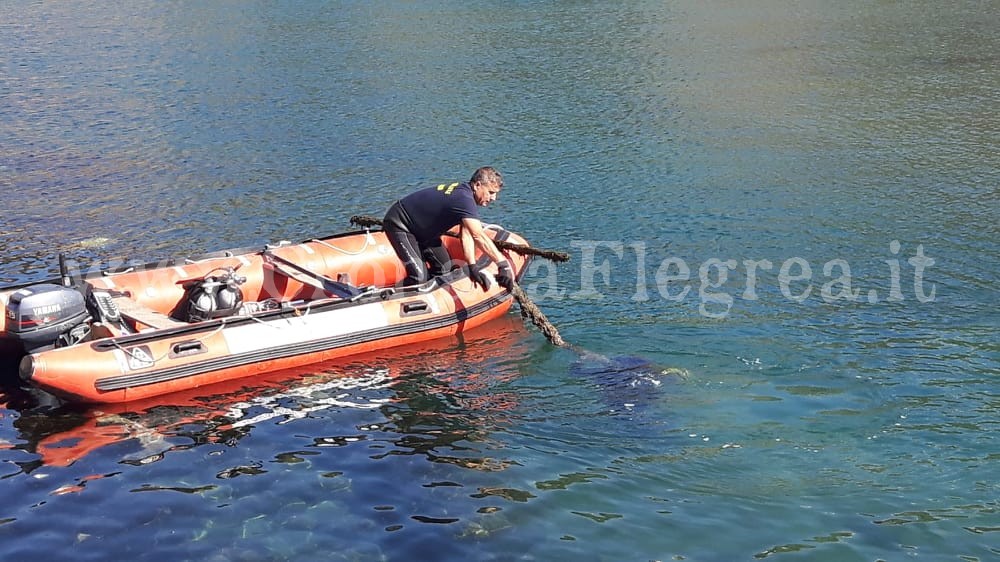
(47, 315)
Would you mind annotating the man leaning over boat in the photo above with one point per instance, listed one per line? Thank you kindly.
(415, 224)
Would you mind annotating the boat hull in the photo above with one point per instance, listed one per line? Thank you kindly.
(301, 324)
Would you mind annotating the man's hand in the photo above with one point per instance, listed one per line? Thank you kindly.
(478, 277)
(505, 277)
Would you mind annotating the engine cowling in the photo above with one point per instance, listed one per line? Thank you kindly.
(40, 316)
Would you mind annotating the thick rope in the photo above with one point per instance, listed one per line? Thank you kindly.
(532, 312)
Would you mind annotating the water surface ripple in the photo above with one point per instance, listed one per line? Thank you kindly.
(721, 423)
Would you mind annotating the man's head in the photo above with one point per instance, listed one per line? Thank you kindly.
(486, 184)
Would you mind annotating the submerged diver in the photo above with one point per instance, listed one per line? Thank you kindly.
(415, 224)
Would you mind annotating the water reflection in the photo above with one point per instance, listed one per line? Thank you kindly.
(417, 436)
(431, 395)
(294, 451)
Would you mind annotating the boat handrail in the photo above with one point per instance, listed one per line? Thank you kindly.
(369, 241)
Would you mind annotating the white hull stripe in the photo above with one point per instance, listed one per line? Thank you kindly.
(282, 332)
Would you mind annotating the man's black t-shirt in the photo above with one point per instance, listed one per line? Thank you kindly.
(429, 212)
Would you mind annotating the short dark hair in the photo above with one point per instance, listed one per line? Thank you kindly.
(487, 174)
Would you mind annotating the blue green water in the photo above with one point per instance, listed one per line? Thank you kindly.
(841, 404)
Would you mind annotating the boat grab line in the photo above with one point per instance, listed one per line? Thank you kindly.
(154, 361)
(368, 242)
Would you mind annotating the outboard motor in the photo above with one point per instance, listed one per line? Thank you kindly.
(215, 297)
(47, 315)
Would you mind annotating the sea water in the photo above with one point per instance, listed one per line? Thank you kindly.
(782, 296)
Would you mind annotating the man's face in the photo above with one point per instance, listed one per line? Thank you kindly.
(486, 192)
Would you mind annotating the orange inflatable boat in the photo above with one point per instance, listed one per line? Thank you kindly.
(137, 332)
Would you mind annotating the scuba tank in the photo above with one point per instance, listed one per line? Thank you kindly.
(215, 296)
